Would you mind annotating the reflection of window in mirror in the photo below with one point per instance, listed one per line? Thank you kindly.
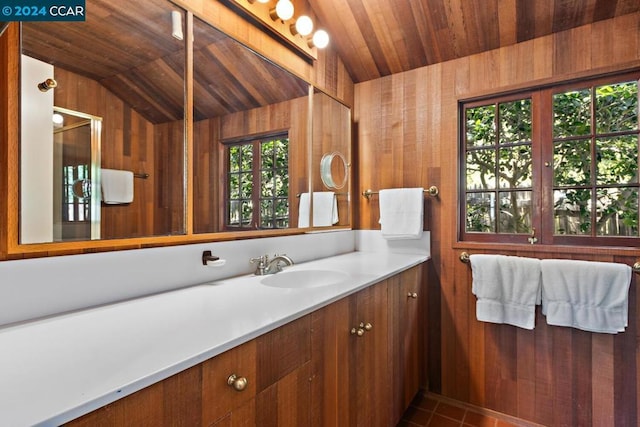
(257, 193)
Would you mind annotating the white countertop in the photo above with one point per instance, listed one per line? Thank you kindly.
(57, 369)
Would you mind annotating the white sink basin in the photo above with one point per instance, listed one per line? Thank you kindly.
(305, 279)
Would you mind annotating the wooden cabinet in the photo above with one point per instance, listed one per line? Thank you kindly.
(355, 362)
(263, 382)
(406, 311)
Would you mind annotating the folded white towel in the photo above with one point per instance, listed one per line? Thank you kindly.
(508, 289)
(592, 296)
(401, 213)
(325, 209)
(117, 186)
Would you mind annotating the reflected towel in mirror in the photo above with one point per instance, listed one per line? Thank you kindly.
(117, 186)
(325, 209)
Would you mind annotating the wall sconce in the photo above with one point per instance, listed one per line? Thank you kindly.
(320, 39)
(303, 26)
(176, 25)
(283, 10)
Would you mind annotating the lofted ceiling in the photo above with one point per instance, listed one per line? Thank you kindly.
(376, 38)
(130, 51)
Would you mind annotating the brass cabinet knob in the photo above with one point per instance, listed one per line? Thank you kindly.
(238, 383)
(412, 295)
(368, 326)
(359, 331)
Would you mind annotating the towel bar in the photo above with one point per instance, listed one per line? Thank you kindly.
(337, 194)
(464, 257)
(432, 191)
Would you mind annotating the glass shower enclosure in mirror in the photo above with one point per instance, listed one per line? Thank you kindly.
(250, 138)
(123, 68)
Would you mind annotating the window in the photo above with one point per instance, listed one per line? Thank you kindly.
(76, 193)
(258, 183)
(559, 164)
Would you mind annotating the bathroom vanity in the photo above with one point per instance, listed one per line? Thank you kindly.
(348, 351)
(353, 362)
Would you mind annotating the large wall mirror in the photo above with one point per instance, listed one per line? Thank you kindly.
(103, 132)
(250, 138)
(124, 67)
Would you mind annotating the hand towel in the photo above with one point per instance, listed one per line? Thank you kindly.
(507, 288)
(117, 186)
(401, 213)
(592, 296)
(325, 209)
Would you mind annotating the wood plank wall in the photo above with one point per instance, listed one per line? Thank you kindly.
(290, 116)
(407, 137)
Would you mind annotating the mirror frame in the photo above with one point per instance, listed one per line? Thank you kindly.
(216, 15)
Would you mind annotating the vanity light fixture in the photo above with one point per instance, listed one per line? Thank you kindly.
(176, 25)
(283, 10)
(320, 39)
(303, 26)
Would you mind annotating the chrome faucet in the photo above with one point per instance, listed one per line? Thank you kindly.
(267, 266)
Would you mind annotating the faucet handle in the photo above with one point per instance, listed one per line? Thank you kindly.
(262, 260)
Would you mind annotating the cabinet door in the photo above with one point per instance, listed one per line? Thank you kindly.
(331, 388)
(277, 370)
(369, 362)
(405, 308)
(350, 371)
(220, 400)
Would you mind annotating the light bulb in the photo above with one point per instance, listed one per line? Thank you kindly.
(58, 119)
(303, 26)
(284, 9)
(320, 39)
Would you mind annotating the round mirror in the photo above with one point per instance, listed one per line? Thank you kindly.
(334, 170)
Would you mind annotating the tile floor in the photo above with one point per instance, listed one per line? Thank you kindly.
(428, 410)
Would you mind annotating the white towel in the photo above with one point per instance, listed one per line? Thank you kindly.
(592, 296)
(325, 209)
(507, 287)
(401, 213)
(117, 186)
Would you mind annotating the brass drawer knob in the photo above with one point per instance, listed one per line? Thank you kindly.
(368, 326)
(238, 383)
(412, 295)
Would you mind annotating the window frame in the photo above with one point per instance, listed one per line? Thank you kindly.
(542, 150)
(255, 141)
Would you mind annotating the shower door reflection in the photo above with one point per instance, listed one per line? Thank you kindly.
(76, 189)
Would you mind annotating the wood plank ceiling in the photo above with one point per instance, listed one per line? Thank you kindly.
(130, 51)
(376, 38)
